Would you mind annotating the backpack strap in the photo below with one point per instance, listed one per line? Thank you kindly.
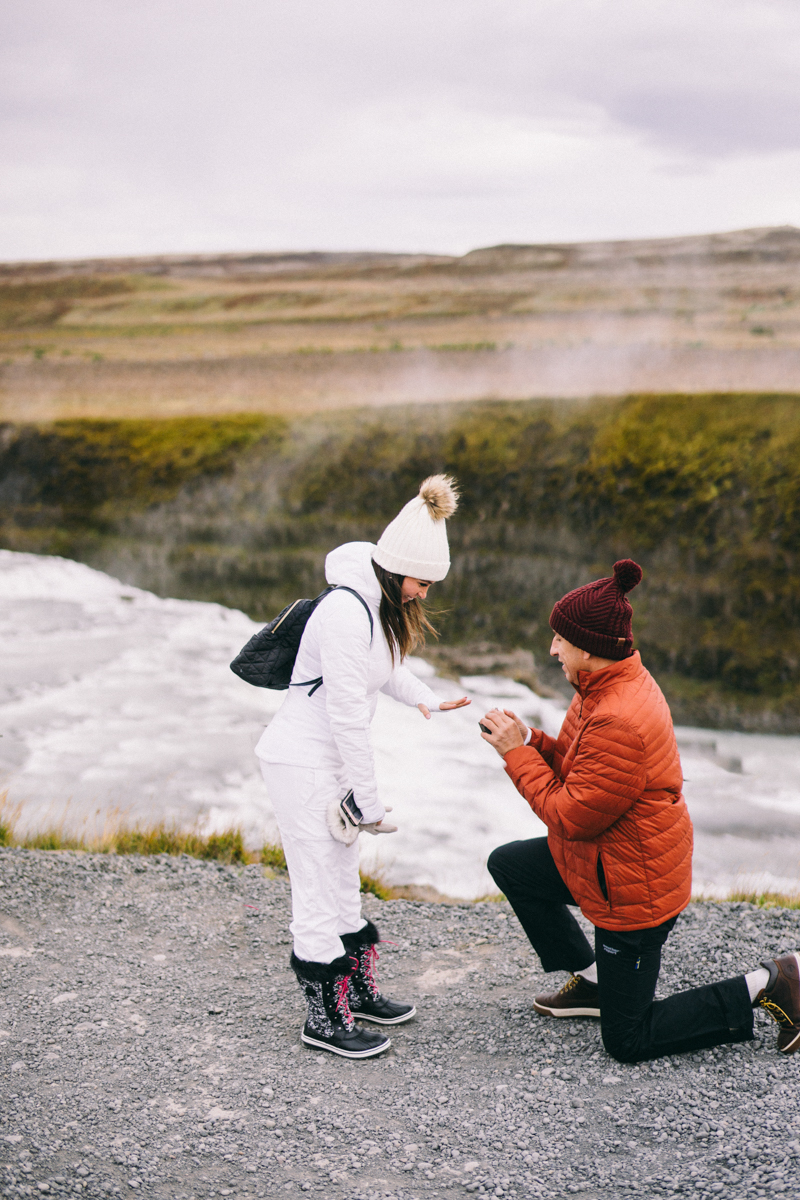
(343, 588)
(317, 683)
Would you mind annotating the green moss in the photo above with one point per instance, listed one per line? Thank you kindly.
(704, 468)
(707, 490)
(512, 461)
(74, 468)
(704, 491)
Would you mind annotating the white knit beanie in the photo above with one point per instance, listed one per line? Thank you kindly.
(415, 542)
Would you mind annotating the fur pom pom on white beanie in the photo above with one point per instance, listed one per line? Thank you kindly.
(415, 542)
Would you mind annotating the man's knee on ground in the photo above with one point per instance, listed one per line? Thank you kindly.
(625, 1044)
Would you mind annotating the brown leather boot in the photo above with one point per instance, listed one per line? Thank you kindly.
(577, 998)
(781, 999)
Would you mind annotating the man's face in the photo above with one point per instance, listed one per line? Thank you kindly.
(571, 658)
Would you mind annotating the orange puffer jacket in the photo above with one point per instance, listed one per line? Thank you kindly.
(609, 791)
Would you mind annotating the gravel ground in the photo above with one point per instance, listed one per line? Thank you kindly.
(149, 1044)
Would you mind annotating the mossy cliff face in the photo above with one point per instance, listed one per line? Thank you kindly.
(707, 492)
(74, 474)
(704, 491)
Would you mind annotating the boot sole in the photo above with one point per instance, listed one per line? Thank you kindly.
(566, 1012)
(360, 1016)
(345, 1053)
(793, 1045)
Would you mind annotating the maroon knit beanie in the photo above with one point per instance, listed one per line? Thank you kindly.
(597, 617)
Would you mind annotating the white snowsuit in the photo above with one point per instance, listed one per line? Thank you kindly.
(318, 747)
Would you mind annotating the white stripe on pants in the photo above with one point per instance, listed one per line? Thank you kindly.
(326, 888)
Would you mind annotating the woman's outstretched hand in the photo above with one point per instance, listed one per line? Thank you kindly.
(445, 706)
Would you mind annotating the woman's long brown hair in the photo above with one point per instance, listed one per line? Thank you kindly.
(404, 625)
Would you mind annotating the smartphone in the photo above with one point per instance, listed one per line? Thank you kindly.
(483, 728)
(350, 809)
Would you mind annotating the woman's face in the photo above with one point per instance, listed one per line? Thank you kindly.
(414, 589)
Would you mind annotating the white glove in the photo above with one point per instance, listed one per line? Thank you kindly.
(343, 831)
(377, 827)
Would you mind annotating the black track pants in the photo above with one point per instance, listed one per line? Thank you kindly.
(633, 1024)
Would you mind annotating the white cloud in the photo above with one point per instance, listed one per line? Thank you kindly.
(160, 125)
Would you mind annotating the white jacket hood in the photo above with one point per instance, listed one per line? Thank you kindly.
(351, 565)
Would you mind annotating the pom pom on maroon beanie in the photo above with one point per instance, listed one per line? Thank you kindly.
(597, 617)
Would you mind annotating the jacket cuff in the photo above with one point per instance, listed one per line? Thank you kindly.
(371, 812)
(429, 698)
(517, 758)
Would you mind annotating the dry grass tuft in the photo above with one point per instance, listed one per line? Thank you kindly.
(377, 885)
(272, 856)
(159, 839)
(227, 846)
(117, 838)
(768, 899)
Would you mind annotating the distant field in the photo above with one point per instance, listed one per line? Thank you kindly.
(283, 334)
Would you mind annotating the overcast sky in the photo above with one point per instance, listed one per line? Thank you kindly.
(142, 126)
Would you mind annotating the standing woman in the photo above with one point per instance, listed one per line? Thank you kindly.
(317, 748)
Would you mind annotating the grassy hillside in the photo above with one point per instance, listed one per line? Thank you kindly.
(704, 491)
(211, 335)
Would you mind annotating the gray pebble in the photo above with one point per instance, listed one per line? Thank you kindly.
(150, 1044)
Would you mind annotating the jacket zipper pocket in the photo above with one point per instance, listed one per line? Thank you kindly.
(602, 879)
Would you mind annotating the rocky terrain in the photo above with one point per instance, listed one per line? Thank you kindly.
(149, 1045)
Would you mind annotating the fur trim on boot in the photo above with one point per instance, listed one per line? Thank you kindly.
(320, 972)
(330, 1025)
(368, 936)
(366, 1001)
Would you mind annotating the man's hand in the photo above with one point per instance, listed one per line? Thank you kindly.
(445, 706)
(521, 726)
(505, 732)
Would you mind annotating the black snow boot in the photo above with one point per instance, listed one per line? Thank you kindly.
(330, 1025)
(366, 1001)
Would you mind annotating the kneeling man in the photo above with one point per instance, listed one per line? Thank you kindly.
(619, 846)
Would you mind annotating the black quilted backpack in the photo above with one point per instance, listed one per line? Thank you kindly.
(268, 658)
